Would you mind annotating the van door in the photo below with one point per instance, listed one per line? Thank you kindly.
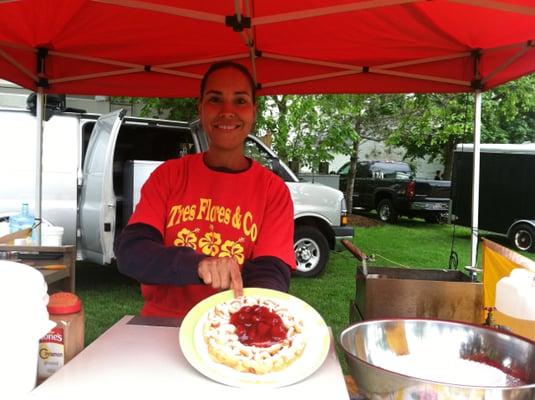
(98, 201)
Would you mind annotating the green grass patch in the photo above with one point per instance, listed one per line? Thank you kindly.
(106, 296)
(412, 243)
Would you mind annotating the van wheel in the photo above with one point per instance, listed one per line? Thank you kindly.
(311, 251)
(522, 236)
(386, 211)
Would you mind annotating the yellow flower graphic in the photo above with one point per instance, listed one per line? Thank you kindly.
(210, 243)
(232, 249)
(186, 238)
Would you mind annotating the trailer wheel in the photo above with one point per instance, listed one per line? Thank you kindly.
(386, 211)
(522, 236)
(311, 251)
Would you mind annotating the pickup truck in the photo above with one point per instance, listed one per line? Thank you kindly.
(391, 189)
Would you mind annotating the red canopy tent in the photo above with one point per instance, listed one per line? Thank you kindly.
(162, 47)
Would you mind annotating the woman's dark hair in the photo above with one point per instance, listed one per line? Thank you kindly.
(229, 64)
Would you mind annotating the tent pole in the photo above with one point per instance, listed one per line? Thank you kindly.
(39, 164)
(475, 184)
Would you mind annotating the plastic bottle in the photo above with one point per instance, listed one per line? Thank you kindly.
(22, 220)
(66, 339)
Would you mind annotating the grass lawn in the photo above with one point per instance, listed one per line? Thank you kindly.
(108, 295)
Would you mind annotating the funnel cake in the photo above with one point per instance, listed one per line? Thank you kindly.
(252, 334)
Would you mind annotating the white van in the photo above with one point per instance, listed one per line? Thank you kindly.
(93, 168)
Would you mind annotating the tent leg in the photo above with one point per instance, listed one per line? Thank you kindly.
(39, 164)
(475, 184)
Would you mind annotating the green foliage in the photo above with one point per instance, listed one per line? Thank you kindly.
(312, 128)
(432, 124)
(162, 107)
(174, 109)
(301, 130)
(509, 112)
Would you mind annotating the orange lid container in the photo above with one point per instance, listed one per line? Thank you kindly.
(64, 303)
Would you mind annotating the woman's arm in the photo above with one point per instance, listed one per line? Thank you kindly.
(142, 256)
(266, 272)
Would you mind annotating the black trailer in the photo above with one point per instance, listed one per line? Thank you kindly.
(506, 191)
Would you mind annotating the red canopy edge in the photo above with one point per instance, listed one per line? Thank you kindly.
(162, 48)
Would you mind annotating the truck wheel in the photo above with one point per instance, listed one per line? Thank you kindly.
(522, 236)
(432, 219)
(311, 251)
(386, 211)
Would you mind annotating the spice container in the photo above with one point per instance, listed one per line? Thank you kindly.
(66, 339)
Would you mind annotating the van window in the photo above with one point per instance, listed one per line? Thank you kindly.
(87, 128)
(256, 152)
(145, 142)
(344, 170)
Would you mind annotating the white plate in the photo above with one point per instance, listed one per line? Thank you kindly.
(315, 331)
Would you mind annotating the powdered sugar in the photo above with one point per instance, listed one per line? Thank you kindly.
(452, 370)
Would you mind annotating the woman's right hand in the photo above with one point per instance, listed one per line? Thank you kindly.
(221, 273)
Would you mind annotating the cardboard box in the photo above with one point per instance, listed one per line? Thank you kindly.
(10, 238)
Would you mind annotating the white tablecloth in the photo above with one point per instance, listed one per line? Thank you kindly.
(141, 361)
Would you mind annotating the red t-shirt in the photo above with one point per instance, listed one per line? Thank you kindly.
(243, 215)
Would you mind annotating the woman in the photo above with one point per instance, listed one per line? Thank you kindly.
(210, 221)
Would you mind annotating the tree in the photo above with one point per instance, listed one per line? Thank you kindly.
(312, 128)
(357, 118)
(303, 128)
(162, 107)
(508, 112)
(433, 124)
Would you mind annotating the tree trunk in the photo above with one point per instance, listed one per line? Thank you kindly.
(281, 149)
(448, 159)
(294, 166)
(351, 176)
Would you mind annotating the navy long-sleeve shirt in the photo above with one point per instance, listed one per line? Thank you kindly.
(141, 255)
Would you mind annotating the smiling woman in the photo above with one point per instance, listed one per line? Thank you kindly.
(227, 110)
(211, 221)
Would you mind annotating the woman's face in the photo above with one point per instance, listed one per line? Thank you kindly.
(226, 110)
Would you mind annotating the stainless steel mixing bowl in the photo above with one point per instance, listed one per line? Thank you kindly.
(367, 344)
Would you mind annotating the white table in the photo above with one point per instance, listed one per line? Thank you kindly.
(143, 361)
